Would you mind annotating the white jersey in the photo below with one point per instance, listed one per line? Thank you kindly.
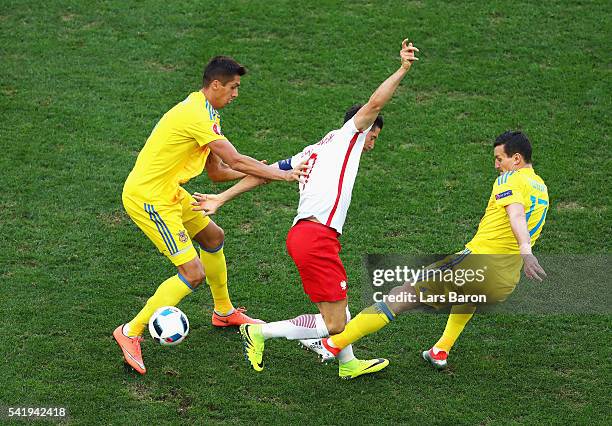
(326, 193)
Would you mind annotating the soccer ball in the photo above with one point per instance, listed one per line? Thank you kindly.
(168, 325)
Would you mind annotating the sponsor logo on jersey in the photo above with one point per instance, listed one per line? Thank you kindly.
(503, 194)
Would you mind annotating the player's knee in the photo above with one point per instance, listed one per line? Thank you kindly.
(404, 298)
(194, 275)
(221, 235)
(215, 240)
(195, 279)
(335, 327)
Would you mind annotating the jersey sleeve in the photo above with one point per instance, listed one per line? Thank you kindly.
(507, 189)
(349, 127)
(205, 131)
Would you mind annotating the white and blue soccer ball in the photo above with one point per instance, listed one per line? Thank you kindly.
(168, 325)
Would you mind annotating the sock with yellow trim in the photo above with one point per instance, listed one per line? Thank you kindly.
(366, 322)
(169, 293)
(454, 326)
(216, 278)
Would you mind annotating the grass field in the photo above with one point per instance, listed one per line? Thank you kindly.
(83, 83)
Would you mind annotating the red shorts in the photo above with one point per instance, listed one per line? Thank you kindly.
(315, 250)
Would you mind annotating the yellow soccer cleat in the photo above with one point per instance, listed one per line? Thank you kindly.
(253, 345)
(358, 367)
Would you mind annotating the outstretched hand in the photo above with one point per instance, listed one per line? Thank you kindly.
(300, 172)
(407, 54)
(207, 203)
(532, 268)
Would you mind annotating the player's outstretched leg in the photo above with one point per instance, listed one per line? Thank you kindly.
(359, 367)
(131, 349)
(458, 318)
(253, 345)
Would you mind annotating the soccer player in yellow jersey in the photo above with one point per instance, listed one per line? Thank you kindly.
(512, 222)
(185, 141)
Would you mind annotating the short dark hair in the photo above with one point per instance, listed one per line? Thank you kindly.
(222, 68)
(515, 142)
(379, 122)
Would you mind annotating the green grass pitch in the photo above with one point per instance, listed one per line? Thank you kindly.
(83, 83)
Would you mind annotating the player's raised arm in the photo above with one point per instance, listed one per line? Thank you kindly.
(368, 113)
(518, 223)
(250, 166)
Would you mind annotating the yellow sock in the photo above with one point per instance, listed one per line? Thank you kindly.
(169, 293)
(454, 326)
(366, 322)
(216, 277)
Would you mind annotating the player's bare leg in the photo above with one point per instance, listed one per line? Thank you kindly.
(334, 318)
(211, 240)
(192, 274)
(408, 296)
(334, 315)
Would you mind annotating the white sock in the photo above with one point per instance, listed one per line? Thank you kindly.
(307, 326)
(231, 311)
(126, 329)
(346, 354)
(435, 350)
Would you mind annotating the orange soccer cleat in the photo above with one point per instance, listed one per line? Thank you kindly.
(236, 318)
(131, 349)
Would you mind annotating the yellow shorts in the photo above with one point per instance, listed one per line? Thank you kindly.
(467, 278)
(171, 227)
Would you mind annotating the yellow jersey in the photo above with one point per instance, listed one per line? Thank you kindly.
(494, 235)
(175, 152)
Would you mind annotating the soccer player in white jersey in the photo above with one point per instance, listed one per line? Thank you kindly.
(312, 241)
